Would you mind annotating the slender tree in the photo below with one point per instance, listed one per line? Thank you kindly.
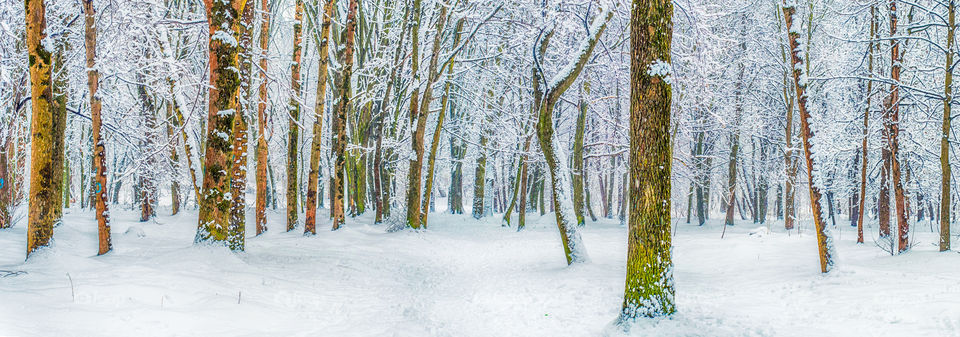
(340, 119)
(945, 170)
(261, 150)
(293, 136)
(556, 160)
(903, 229)
(310, 224)
(99, 149)
(823, 240)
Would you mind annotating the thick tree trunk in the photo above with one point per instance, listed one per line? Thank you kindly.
(224, 20)
(649, 282)
(310, 223)
(824, 242)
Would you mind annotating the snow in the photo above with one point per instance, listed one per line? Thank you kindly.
(462, 277)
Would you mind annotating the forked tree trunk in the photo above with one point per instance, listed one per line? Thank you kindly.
(424, 108)
(556, 160)
(649, 283)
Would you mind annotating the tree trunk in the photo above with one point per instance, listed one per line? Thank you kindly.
(866, 126)
(340, 119)
(261, 151)
(894, 111)
(556, 160)
(224, 20)
(790, 163)
(823, 240)
(578, 172)
(99, 149)
(649, 283)
(479, 178)
(310, 224)
(945, 134)
(444, 101)
(236, 231)
(293, 136)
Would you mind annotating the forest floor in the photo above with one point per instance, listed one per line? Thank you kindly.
(462, 277)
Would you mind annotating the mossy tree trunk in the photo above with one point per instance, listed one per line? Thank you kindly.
(44, 197)
(556, 160)
(649, 290)
(215, 203)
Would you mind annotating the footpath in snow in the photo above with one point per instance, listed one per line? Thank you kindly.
(462, 277)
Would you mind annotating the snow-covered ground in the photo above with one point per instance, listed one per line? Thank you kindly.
(462, 277)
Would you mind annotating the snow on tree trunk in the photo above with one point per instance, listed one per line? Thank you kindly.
(824, 241)
(293, 133)
(649, 289)
(340, 119)
(310, 223)
(99, 149)
(224, 21)
(261, 151)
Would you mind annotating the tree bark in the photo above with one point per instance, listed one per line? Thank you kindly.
(556, 160)
(894, 98)
(444, 101)
(293, 136)
(340, 119)
(649, 283)
(261, 150)
(99, 149)
(310, 223)
(224, 21)
(945, 169)
(824, 242)
(866, 126)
